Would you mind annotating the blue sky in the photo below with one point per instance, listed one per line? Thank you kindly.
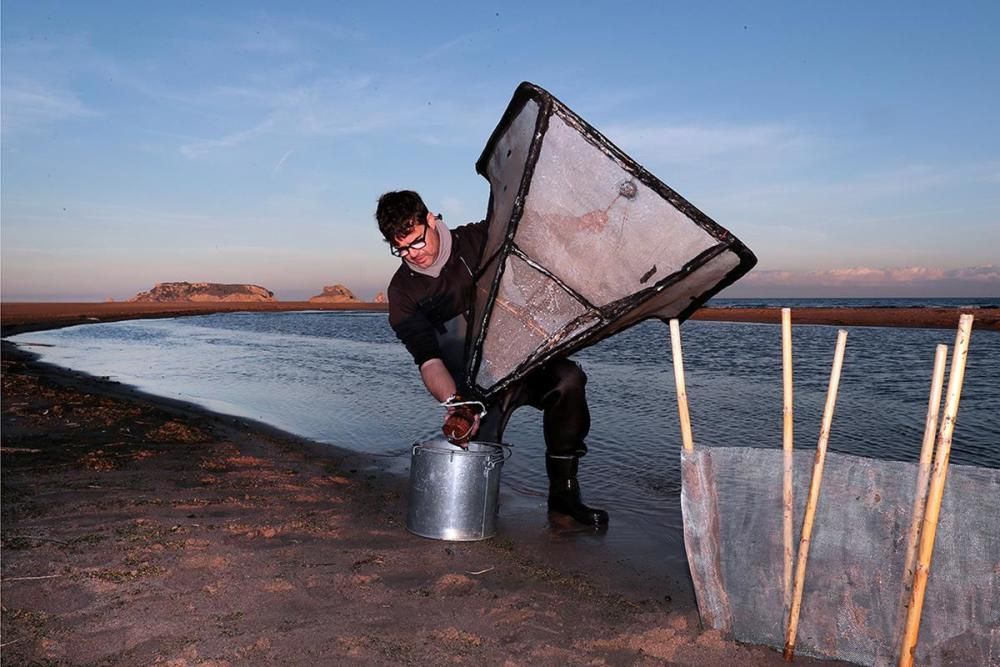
(853, 146)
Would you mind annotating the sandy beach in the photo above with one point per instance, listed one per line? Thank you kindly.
(140, 530)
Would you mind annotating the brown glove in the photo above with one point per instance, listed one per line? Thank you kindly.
(461, 423)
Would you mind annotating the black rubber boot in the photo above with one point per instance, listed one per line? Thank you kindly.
(564, 491)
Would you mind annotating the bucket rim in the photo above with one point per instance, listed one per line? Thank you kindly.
(452, 449)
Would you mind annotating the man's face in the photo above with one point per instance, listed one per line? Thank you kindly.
(422, 257)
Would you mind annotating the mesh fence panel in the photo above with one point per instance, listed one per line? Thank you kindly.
(852, 601)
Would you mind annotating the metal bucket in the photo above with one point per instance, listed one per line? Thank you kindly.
(454, 492)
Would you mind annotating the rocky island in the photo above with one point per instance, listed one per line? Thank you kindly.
(334, 294)
(169, 292)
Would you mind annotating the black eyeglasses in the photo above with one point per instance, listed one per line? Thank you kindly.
(417, 244)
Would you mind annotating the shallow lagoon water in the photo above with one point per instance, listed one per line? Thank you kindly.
(342, 378)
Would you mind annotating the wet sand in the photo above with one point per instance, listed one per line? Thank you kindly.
(22, 317)
(140, 530)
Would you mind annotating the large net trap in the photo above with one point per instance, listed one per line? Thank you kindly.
(583, 242)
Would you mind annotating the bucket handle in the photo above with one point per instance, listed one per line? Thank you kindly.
(506, 450)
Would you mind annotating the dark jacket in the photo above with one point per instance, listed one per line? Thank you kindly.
(430, 315)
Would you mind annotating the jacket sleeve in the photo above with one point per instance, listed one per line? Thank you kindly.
(412, 327)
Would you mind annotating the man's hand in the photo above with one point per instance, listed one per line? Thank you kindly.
(461, 422)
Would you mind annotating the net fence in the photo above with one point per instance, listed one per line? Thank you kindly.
(854, 594)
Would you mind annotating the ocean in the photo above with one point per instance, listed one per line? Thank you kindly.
(342, 378)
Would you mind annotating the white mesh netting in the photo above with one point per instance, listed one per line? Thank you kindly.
(854, 586)
(582, 243)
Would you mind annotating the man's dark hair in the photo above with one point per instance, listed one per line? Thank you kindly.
(398, 213)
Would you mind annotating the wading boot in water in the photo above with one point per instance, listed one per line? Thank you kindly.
(564, 491)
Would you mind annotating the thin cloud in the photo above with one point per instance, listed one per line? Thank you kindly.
(693, 143)
(281, 162)
(979, 274)
(230, 140)
(864, 276)
(865, 185)
(276, 35)
(458, 43)
(355, 105)
(29, 104)
(287, 94)
(455, 207)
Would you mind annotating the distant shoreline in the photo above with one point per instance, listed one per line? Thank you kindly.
(24, 317)
(876, 316)
(35, 316)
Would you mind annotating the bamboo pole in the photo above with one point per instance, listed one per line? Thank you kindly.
(814, 486)
(788, 411)
(923, 474)
(682, 399)
(939, 473)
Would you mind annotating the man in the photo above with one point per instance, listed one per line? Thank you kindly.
(430, 300)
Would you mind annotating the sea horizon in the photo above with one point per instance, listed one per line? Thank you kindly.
(716, 301)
